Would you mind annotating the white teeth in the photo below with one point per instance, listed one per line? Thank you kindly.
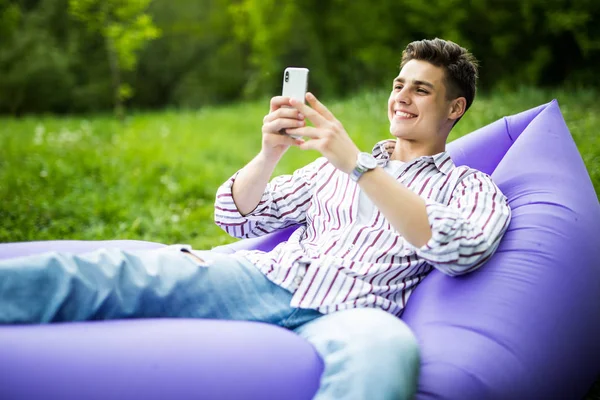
(404, 115)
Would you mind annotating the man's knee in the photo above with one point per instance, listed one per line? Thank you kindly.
(375, 330)
(364, 324)
(365, 351)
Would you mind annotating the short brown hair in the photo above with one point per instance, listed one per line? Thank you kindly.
(459, 65)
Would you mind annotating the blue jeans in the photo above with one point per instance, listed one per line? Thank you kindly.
(368, 353)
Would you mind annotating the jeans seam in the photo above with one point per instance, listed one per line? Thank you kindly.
(285, 322)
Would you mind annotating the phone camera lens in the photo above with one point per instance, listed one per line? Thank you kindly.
(287, 76)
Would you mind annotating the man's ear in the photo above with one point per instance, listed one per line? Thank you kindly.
(457, 108)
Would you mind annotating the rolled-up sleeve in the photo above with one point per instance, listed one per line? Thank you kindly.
(283, 203)
(467, 231)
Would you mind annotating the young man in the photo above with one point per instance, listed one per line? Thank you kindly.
(374, 225)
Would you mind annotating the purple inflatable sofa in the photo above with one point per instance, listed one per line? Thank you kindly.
(525, 326)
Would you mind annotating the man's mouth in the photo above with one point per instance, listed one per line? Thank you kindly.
(403, 114)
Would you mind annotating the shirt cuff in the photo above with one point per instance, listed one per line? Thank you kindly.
(225, 207)
(441, 247)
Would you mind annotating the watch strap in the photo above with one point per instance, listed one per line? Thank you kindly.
(360, 168)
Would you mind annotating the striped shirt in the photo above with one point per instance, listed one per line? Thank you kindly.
(339, 259)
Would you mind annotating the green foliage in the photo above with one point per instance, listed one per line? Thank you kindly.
(10, 17)
(268, 28)
(349, 44)
(193, 53)
(126, 29)
(196, 61)
(34, 67)
(154, 177)
(122, 22)
(128, 38)
(35, 73)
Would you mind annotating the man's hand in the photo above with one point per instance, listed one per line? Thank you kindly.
(280, 119)
(252, 180)
(328, 135)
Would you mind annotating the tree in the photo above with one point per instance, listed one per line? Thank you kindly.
(126, 28)
(197, 60)
(35, 66)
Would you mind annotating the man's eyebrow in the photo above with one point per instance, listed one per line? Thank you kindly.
(416, 82)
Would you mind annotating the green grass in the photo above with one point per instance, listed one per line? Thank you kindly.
(154, 177)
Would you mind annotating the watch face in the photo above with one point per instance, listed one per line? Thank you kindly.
(367, 160)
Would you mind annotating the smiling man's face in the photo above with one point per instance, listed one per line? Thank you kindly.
(418, 108)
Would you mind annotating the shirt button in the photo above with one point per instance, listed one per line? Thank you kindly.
(298, 280)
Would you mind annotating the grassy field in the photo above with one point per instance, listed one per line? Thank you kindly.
(154, 177)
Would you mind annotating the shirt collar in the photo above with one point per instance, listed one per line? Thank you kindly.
(442, 160)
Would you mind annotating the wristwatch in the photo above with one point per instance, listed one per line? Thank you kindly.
(364, 162)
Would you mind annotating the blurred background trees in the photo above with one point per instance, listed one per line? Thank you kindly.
(125, 28)
(215, 51)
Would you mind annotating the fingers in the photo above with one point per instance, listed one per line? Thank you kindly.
(281, 140)
(281, 119)
(311, 114)
(306, 131)
(278, 102)
(319, 107)
(281, 124)
(285, 112)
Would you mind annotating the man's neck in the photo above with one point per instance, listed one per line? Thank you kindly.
(406, 150)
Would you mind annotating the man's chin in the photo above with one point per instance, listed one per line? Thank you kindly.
(401, 133)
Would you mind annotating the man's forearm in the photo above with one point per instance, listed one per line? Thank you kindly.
(403, 209)
(251, 182)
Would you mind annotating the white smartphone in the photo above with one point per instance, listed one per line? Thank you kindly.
(295, 84)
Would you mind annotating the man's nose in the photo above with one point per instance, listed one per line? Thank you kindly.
(402, 96)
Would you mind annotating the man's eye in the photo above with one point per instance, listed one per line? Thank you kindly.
(420, 90)
(398, 87)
